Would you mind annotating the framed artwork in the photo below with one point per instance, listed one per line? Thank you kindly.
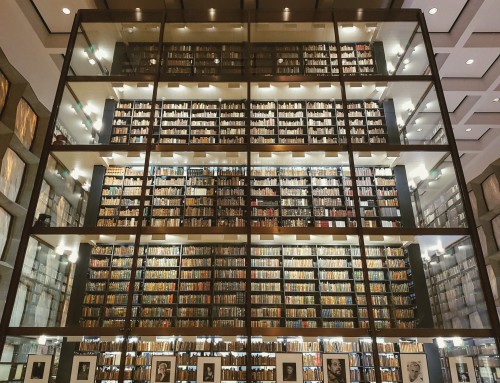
(414, 368)
(289, 368)
(491, 191)
(4, 90)
(83, 369)
(462, 369)
(163, 369)
(38, 368)
(5, 219)
(11, 174)
(208, 369)
(473, 202)
(336, 368)
(26, 121)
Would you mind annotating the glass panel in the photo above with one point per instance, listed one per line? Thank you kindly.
(290, 48)
(104, 113)
(11, 174)
(408, 189)
(127, 48)
(5, 219)
(394, 48)
(197, 113)
(395, 113)
(44, 289)
(291, 189)
(4, 90)
(303, 281)
(206, 49)
(26, 122)
(455, 292)
(29, 359)
(296, 113)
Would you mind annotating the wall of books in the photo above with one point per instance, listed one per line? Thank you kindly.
(250, 202)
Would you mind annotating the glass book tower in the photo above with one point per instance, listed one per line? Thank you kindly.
(251, 194)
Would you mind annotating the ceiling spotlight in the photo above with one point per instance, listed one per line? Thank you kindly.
(468, 129)
(152, 61)
(433, 11)
(66, 11)
(280, 60)
(469, 61)
(419, 129)
(138, 9)
(286, 9)
(496, 99)
(216, 60)
(92, 61)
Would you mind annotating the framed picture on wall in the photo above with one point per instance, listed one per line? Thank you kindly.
(83, 369)
(462, 369)
(289, 368)
(208, 369)
(38, 368)
(5, 219)
(163, 369)
(336, 368)
(414, 368)
(11, 174)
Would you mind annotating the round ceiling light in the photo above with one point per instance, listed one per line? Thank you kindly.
(66, 11)
(433, 11)
(469, 61)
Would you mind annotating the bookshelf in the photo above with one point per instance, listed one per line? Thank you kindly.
(271, 122)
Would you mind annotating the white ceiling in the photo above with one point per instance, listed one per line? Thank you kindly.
(34, 32)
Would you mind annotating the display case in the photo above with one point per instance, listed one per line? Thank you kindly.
(257, 195)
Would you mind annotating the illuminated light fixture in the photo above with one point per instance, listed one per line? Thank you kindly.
(496, 99)
(406, 61)
(264, 85)
(347, 26)
(376, 238)
(365, 154)
(98, 54)
(470, 61)
(356, 85)
(380, 86)
(294, 85)
(433, 11)
(200, 155)
(468, 129)
(152, 61)
(73, 257)
(286, 9)
(86, 186)
(97, 125)
(265, 154)
(298, 154)
(457, 341)
(393, 154)
(117, 85)
(212, 10)
(325, 85)
(142, 85)
(42, 339)
(203, 85)
(441, 343)
(280, 60)
(419, 129)
(216, 60)
(234, 85)
(173, 85)
(75, 174)
(66, 11)
(232, 154)
(138, 9)
(59, 250)
(302, 237)
(92, 61)
(167, 154)
(331, 154)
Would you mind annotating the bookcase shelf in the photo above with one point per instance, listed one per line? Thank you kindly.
(285, 122)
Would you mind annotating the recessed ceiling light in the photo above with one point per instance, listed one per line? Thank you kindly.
(468, 129)
(433, 11)
(496, 99)
(419, 129)
(66, 11)
(286, 9)
(138, 9)
(469, 61)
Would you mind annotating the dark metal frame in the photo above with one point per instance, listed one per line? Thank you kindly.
(248, 18)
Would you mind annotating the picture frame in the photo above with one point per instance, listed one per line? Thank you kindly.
(289, 368)
(208, 369)
(163, 368)
(26, 123)
(336, 368)
(38, 368)
(414, 368)
(83, 369)
(462, 369)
